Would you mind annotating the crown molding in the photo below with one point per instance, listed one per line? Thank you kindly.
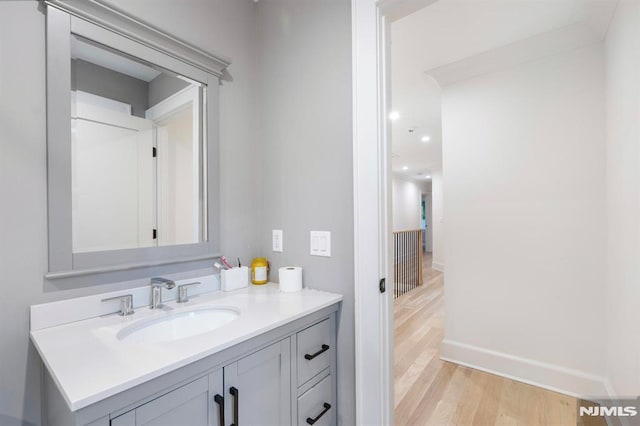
(113, 19)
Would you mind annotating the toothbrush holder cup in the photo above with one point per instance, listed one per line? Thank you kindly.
(234, 278)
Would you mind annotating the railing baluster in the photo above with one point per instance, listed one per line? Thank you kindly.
(413, 260)
(395, 266)
(409, 265)
(401, 254)
(407, 261)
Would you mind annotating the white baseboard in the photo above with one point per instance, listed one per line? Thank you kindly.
(548, 376)
(437, 266)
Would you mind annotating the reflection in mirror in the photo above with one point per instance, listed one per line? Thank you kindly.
(137, 152)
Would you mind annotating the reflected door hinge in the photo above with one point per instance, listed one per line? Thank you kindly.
(154, 152)
(382, 285)
(155, 234)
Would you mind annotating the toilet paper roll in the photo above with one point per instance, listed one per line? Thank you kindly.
(290, 278)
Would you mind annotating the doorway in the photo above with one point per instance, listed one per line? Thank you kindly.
(375, 23)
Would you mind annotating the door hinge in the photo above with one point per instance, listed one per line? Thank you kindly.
(155, 234)
(382, 285)
(154, 151)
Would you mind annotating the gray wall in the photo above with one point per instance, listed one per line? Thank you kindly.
(23, 220)
(110, 84)
(223, 26)
(306, 132)
(163, 86)
(291, 69)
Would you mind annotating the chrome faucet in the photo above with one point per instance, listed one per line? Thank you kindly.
(157, 283)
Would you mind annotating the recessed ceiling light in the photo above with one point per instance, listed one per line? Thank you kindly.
(405, 167)
(425, 139)
(427, 177)
(394, 115)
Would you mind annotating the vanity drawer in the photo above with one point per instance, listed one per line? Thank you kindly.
(313, 350)
(315, 406)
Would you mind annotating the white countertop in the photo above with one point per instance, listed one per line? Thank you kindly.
(89, 364)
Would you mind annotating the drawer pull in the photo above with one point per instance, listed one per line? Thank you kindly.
(219, 399)
(310, 357)
(327, 407)
(234, 391)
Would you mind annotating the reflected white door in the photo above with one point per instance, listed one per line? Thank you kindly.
(178, 136)
(112, 180)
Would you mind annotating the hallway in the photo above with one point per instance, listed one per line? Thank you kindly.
(431, 391)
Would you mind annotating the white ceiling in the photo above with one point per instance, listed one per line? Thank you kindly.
(451, 39)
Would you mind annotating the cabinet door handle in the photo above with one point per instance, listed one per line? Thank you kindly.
(219, 399)
(234, 391)
(326, 406)
(310, 357)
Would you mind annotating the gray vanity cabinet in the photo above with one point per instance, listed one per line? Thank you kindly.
(256, 389)
(187, 405)
(282, 377)
(261, 386)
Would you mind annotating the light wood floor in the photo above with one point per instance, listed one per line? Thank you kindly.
(429, 391)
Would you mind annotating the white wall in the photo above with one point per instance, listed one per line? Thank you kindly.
(222, 26)
(525, 213)
(622, 53)
(406, 202)
(437, 201)
(304, 99)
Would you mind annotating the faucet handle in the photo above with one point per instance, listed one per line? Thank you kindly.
(126, 304)
(183, 296)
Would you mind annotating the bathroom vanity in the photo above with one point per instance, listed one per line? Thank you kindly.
(132, 145)
(273, 363)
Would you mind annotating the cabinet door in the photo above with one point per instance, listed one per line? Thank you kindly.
(193, 404)
(188, 405)
(258, 388)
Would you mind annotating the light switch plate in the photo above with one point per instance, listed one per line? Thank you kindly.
(320, 243)
(276, 238)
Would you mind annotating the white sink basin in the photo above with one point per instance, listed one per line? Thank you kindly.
(178, 325)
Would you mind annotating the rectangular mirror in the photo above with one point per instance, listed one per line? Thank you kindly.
(132, 144)
(136, 152)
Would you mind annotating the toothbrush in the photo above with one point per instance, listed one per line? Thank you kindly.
(226, 262)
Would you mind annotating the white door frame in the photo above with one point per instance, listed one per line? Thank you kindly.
(372, 210)
(373, 326)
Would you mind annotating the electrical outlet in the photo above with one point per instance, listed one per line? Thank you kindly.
(320, 243)
(276, 239)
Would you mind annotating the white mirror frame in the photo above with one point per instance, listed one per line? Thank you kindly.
(96, 21)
